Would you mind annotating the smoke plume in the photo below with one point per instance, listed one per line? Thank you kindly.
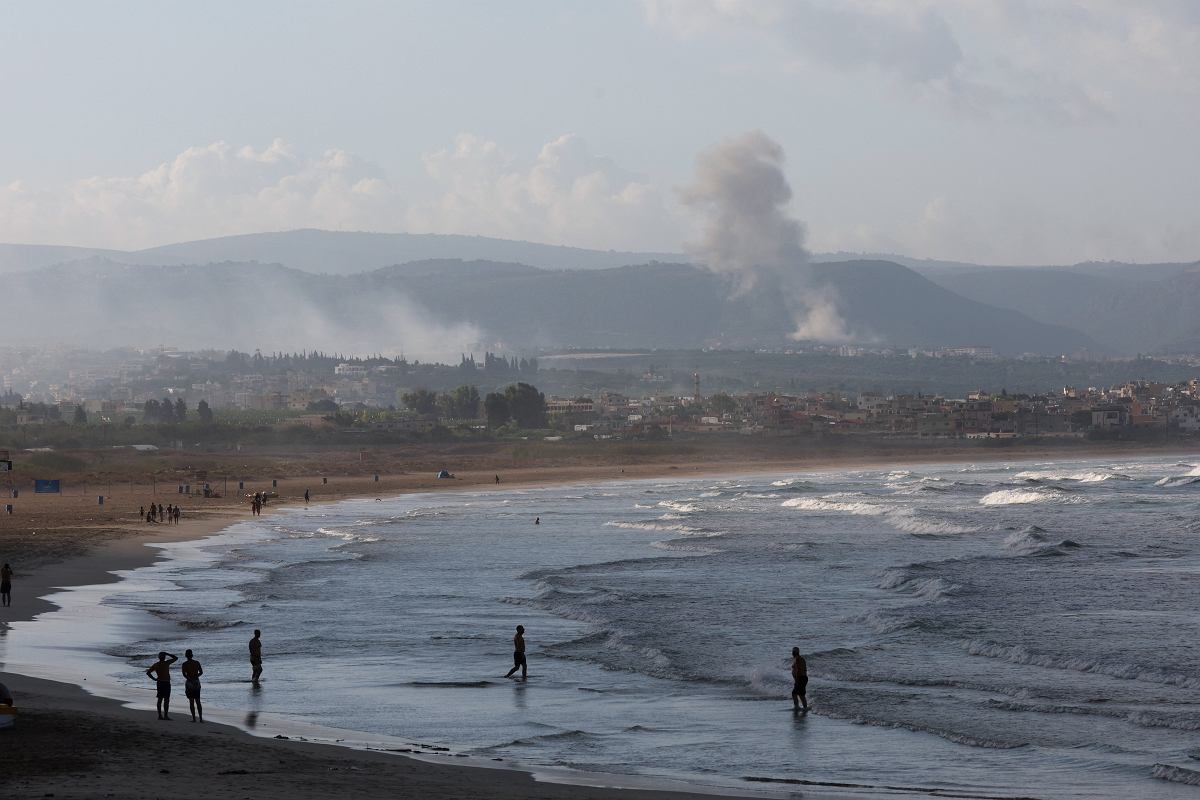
(740, 195)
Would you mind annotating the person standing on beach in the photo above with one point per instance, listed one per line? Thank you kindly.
(256, 656)
(519, 662)
(6, 575)
(192, 671)
(306, 497)
(799, 680)
(161, 673)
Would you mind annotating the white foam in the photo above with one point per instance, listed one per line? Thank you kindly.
(660, 526)
(682, 508)
(1010, 497)
(821, 505)
(1093, 476)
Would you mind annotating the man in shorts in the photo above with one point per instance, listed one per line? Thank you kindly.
(192, 671)
(161, 673)
(256, 656)
(800, 680)
(519, 654)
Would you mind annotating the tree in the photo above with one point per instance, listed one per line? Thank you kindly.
(167, 411)
(463, 402)
(526, 405)
(326, 405)
(421, 401)
(204, 412)
(495, 408)
(80, 416)
(180, 410)
(151, 411)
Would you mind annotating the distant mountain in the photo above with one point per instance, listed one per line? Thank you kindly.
(443, 307)
(1127, 308)
(21, 257)
(346, 253)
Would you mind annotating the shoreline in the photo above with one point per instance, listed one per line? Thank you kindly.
(125, 552)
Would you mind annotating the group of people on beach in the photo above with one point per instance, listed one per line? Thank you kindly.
(160, 673)
(170, 515)
(260, 499)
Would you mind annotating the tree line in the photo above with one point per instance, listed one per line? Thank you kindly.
(520, 404)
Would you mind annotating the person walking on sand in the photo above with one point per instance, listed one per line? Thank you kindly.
(256, 656)
(799, 680)
(6, 575)
(519, 662)
(306, 497)
(192, 671)
(161, 673)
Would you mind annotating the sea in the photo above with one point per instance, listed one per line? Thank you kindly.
(1021, 629)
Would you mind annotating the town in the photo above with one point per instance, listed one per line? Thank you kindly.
(57, 396)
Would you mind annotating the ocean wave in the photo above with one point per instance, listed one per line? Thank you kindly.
(758, 496)
(1017, 654)
(682, 508)
(673, 527)
(1178, 481)
(1166, 772)
(907, 521)
(1009, 497)
(681, 546)
(818, 504)
(927, 587)
(885, 621)
(1032, 541)
(531, 741)
(1085, 476)
(958, 737)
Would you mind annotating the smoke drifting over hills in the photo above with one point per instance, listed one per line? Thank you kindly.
(740, 196)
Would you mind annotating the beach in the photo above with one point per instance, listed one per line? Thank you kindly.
(70, 541)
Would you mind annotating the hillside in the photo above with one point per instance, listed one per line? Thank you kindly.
(440, 308)
(1126, 308)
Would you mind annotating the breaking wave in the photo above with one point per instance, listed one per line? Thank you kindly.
(1017, 654)
(818, 504)
(1087, 476)
(1010, 497)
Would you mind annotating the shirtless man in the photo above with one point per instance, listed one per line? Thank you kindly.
(161, 673)
(519, 654)
(800, 680)
(192, 671)
(256, 655)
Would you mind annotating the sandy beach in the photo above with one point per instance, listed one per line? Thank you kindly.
(68, 743)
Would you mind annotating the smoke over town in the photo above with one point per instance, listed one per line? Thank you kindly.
(739, 194)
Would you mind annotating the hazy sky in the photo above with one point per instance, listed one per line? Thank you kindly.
(1003, 131)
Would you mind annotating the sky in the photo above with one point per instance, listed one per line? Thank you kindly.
(994, 131)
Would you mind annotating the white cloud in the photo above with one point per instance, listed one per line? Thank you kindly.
(1061, 61)
(212, 190)
(566, 195)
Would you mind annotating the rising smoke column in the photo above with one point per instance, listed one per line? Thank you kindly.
(740, 196)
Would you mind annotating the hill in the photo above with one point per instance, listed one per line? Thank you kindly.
(439, 308)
